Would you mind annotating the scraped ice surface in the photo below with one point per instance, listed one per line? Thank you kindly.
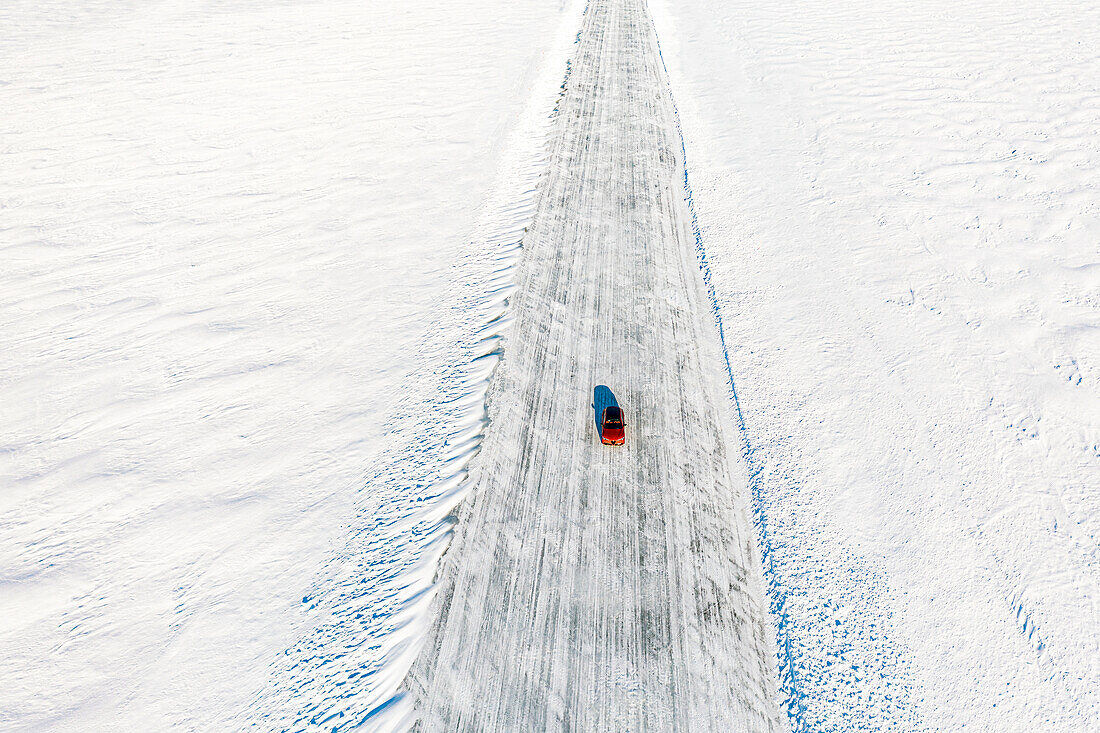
(594, 587)
(227, 232)
(899, 203)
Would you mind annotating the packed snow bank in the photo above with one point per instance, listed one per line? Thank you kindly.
(899, 207)
(370, 606)
(228, 233)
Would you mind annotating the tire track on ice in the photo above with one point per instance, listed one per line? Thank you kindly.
(588, 587)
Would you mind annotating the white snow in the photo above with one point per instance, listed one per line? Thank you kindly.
(900, 206)
(226, 240)
(249, 251)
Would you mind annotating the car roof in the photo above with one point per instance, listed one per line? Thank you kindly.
(613, 411)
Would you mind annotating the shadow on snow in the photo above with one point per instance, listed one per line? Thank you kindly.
(602, 398)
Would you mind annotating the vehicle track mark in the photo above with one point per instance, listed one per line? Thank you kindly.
(590, 587)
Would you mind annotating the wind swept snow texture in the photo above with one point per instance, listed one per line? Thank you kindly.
(900, 209)
(237, 245)
(593, 587)
(371, 606)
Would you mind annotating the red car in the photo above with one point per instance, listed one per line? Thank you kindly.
(611, 426)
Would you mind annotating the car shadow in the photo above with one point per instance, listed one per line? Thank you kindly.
(602, 397)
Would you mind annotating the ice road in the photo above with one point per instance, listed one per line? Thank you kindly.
(591, 587)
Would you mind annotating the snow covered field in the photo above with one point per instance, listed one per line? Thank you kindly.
(900, 203)
(228, 237)
(249, 251)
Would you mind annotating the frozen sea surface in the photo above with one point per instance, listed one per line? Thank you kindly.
(251, 253)
(229, 234)
(899, 204)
